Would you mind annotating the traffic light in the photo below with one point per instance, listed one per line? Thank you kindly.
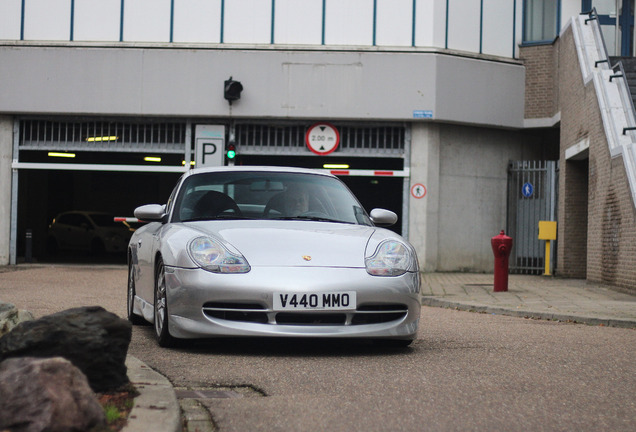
(232, 90)
(230, 152)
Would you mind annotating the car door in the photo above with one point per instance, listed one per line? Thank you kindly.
(146, 245)
(73, 231)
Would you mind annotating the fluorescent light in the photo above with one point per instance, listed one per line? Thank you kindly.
(57, 154)
(102, 138)
(152, 159)
(335, 166)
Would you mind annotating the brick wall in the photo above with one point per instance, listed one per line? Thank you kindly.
(541, 93)
(597, 218)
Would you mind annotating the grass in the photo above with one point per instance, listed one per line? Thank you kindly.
(112, 413)
(117, 406)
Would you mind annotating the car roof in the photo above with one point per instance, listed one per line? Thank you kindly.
(255, 168)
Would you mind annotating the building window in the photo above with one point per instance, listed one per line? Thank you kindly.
(540, 20)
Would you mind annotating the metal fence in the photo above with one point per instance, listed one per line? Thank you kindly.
(103, 135)
(169, 137)
(532, 197)
(254, 138)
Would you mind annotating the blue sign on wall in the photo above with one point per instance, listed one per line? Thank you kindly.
(527, 190)
(423, 114)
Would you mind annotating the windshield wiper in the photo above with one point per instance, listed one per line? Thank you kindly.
(219, 217)
(309, 218)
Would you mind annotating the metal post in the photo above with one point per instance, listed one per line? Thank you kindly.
(547, 258)
(406, 183)
(188, 145)
(28, 254)
(14, 195)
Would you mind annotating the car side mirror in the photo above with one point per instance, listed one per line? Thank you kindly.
(150, 212)
(383, 217)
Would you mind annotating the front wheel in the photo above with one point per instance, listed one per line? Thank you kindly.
(161, 308)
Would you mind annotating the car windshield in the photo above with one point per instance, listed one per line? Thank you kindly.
(267, 195)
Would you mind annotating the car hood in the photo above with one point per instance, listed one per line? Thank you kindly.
(293, 243)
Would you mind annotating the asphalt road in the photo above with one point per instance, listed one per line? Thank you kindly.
(466, 371)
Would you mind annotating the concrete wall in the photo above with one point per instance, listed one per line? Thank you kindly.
(362, 85)
(465, 171)
(6, 157)
(424, 212)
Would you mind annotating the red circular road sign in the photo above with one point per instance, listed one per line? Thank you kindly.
(418, 190)
(322, 138)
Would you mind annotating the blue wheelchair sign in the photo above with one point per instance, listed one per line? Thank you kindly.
(527, 190)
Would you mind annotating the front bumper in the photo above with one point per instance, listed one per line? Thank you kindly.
(387, 307)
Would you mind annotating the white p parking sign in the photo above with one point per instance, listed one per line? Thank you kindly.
(209, 145)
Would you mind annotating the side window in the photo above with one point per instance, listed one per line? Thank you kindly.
(72, 219)
(63, 220)
(540, 20)
(170, 202)
(84, 222)
(172, 197)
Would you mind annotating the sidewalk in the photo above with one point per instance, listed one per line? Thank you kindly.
(540, 297)
(156, 408)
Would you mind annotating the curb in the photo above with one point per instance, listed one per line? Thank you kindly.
(522, 313)
(156, 408)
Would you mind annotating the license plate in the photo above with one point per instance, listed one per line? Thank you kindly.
(344, 300)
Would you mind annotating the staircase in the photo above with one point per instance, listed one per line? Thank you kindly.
(629, 65)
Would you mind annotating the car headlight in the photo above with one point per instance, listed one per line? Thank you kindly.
(212, 255)
(391, 258)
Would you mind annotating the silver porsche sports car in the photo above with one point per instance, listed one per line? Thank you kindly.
(263, 251)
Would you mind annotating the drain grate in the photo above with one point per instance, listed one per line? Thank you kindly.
(207, 394)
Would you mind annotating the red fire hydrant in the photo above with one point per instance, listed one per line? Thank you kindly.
(501, 247)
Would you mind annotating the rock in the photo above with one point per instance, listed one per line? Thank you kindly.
(93, 339)
(46, 395)
(10, 317)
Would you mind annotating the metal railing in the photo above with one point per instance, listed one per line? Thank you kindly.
(626, 96)
(611, 86)
(593, 16)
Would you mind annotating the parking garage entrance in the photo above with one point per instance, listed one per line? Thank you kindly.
(83, 172)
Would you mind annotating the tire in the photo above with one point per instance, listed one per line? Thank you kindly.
(130, 296)
(161, 308)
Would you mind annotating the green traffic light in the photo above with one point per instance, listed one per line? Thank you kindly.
(231, 154)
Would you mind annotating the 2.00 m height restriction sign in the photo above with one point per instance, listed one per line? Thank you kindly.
(322, 138)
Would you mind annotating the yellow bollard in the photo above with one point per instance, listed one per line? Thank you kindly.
(547, 232)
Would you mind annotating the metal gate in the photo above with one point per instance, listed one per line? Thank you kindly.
(355, 140)
(532, 197)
